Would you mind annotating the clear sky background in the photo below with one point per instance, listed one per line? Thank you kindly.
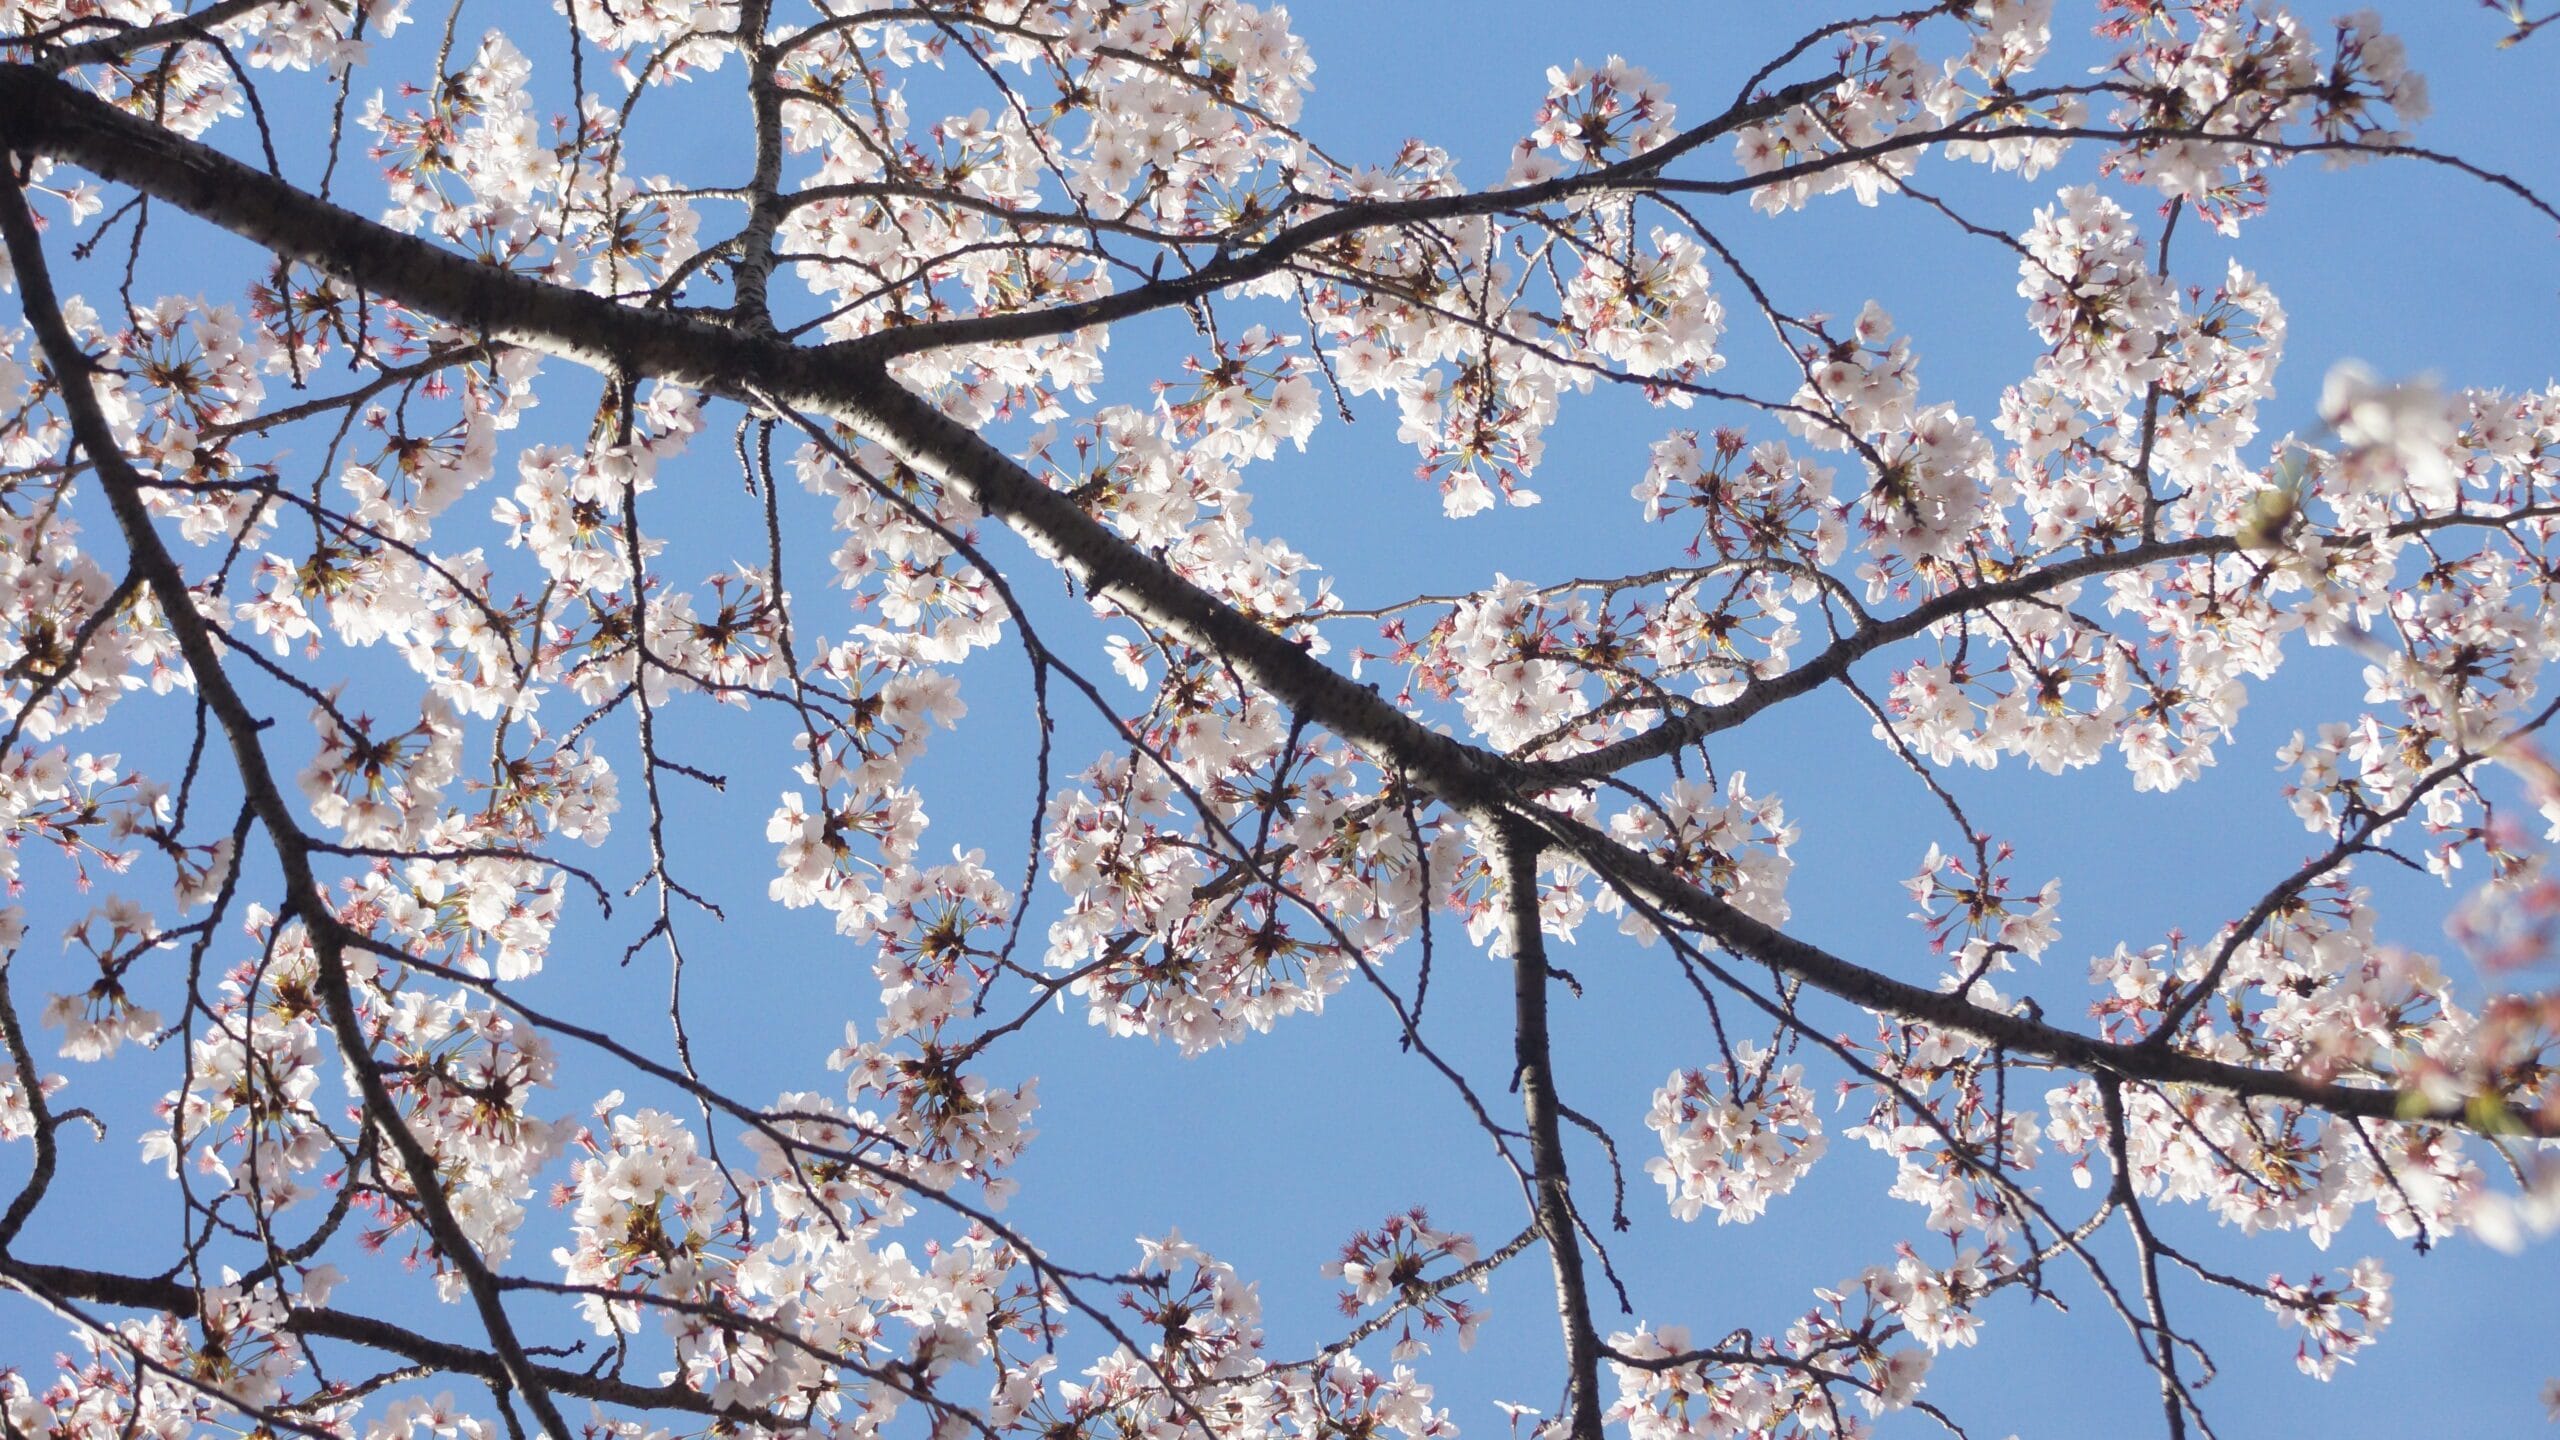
(1272, 1152)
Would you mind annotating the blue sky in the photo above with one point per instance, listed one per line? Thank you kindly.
(1270, 1153)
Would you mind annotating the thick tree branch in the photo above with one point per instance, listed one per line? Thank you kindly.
(1533, 1071)
(124, 486)
(495, 305)
(2017, 1032)
(169, 1297)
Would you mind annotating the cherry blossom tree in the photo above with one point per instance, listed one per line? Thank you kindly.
(373, 600)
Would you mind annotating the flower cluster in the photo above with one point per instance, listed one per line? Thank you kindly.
(1390, 1263)
(1733, 1152)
